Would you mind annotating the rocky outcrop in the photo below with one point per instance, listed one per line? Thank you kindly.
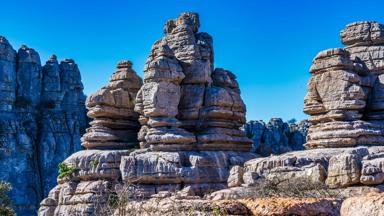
(114, 124)
(88, 177)
(337, 167)
(190, 114)
(371, 204)
(186, 104)
(42, 116)
(276, 137)
(345, 91)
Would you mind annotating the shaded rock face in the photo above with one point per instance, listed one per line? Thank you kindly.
(345, 91)
(276, 137)
(113, 134)
(185, 103)
(38, 129)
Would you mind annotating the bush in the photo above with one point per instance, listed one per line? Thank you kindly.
(5, 201)
(65, 170)
(295, 188)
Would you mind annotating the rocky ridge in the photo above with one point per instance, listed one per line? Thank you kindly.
(42, 116)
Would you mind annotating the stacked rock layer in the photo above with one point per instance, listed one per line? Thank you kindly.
(42, 116)
(345, 93)
(186, 104)
(191, 114)
(89, 176)
(114, 124)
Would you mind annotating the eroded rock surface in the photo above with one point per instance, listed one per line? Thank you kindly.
(90, 176)
(345, 91)
(185, 103)
(191, 114)
(42, 116)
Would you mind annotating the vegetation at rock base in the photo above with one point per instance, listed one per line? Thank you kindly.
(65, 170)
(293, 188)
(5, 201)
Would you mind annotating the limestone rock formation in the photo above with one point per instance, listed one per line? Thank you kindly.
(344, 93)
(337, 167)
(38, 127)
(114, 124)
(190, 114)
(89, 176)
(186, 104)
(276, 137)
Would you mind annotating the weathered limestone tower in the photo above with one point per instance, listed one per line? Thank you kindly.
(191, 116)
(345, 93)
(89, 176)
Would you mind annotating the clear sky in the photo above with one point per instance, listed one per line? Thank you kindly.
(269, 45)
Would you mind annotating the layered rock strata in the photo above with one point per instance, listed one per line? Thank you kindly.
(89, 177)
(191, 114)
(186, 104)
(276, 136)
(42, 118)
(114, 124)
(345, 91)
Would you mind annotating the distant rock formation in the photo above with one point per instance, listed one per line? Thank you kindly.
(345, 93)
(92, 174)
(42, 116)
(276, 137)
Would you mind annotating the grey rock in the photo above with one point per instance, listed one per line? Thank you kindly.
(115, 124)
(345, 93)
(42, 118)
(276, 137)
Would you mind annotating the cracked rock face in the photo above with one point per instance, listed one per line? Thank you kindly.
(345, 91)
(42, 116)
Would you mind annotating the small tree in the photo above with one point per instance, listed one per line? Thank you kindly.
(292, 121)
(5, 201)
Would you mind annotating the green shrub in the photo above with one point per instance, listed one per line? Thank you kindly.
(5, 201)
(65, 170)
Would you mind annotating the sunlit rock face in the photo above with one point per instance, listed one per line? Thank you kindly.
(36, 130)
(186, 103)
(190, 115)
(111, 135)
(345, 92)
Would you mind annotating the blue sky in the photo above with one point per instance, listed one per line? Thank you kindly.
(269, 45)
